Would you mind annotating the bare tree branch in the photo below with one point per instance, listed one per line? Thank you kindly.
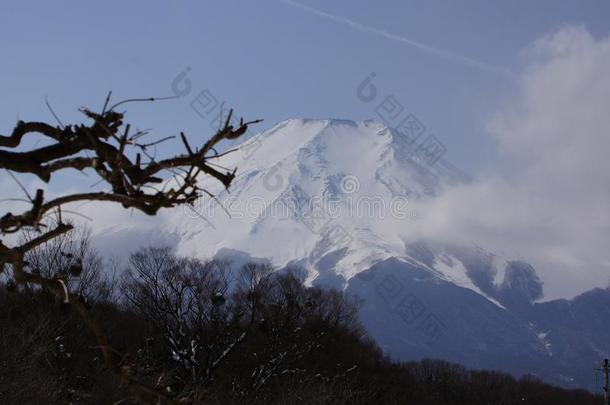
(105, 147)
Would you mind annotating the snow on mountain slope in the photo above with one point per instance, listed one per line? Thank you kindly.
(331, 195)
(307, 189)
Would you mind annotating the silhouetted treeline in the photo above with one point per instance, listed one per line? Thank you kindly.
(202, 331)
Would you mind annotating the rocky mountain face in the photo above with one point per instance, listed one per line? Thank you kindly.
(415, 314)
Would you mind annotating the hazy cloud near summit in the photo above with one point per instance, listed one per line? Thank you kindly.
(550, 203)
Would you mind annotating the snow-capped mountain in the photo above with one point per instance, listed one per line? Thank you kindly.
(343, 200)
(307, 189)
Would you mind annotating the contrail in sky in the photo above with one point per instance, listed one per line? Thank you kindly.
(442, 53)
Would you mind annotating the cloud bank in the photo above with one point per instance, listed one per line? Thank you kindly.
(551, 203)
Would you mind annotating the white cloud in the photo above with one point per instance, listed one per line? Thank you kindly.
(552, 206)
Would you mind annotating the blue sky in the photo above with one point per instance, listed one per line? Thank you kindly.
(273, 60)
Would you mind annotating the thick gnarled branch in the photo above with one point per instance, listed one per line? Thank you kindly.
(106, 147)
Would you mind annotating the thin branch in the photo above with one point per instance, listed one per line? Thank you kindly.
(106, 102)
(20, 186)
(133, 100)
(46, 99)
